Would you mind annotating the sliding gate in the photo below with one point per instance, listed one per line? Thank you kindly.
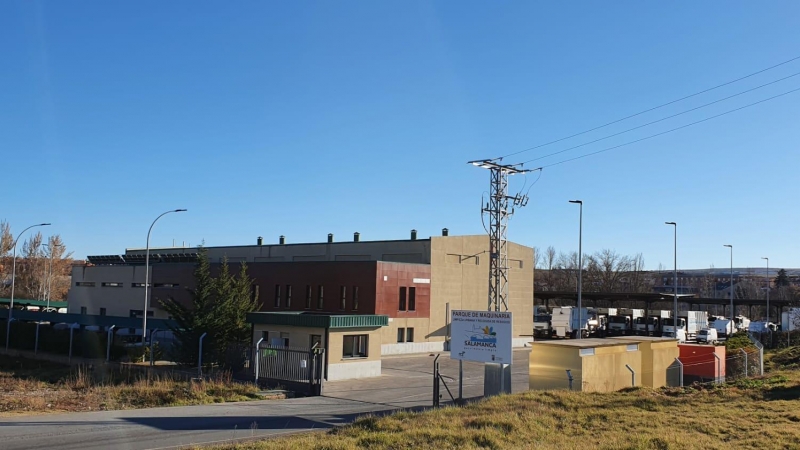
(294, 369)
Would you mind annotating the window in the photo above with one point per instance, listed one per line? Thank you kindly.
(135, 313)
(308, 296)
(343, 297)
(137, 284)
(355, 298)
(320, 300)
(85, 283)
(83, 310)
(285, 339)
(355, 346)
(112, 284)
(409, 335)
(402, 305)
(265, 336)
(288, 295)
(401, 335)
(412, 299)
(102, 311)
(277, 295)
(315, 341)
(166, 285)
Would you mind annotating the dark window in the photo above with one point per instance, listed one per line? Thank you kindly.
(102, 311)
(320, 299)
(412, 299)
(308, 296)
(343, 297)
(402, 304)
(355, 346)
(409, 335)
(355, 298)
(135, 313)
(137, 284)
(83, 310)
(112, 284)
(166, 285)
(316, 341)
(288, 295)
(85, 283)
(401, 335)
(277, 295)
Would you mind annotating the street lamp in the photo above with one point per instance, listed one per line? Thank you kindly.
(580, 266)
(13, 276)
(147, 274)
(675, 277)
(731, 247)
(764, 257)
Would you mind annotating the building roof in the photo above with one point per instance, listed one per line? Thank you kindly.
(318, 320)
(27, 302)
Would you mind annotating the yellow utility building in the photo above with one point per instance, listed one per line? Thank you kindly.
(658, 354)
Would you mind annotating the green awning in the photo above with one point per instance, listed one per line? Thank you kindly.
(316, 320)
(26, 302)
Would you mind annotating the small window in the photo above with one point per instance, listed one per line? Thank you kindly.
(586, 352)
(84, 283)
(277, 296)
(288, 295)
(632, 347)
(136, 313)
(355, 298)
(102, 311)
(355, 346)
(401, 335)
(137, 285)
(166, 285)
(285, 339)
(320, 301)
(83, 310)
(316, 341)
(412, 299)
(111, 284)
(402, 303)
(343, 298)
(265, 336)
(308, 296)
(409, 335)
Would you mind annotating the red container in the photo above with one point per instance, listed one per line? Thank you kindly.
(699, 363)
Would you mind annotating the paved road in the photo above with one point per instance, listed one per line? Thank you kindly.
(406, 383)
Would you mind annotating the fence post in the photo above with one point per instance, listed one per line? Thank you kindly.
(36, 342)
(745, 362)
(71, 330)
(257, 358)
(633, 376)
(678, 360)
(109, 340)
(436, 382)
(152, 335)
(200, 356)
(719, 367)
(569, 378)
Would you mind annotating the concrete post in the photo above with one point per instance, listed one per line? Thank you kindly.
(678, 360)
(71, 331)
(569, 378)
(719, 367)
(257, 358)
(109, 341)
(200, 356)
(745, 362)
(152, 341)
(36, 341)
(633, 376)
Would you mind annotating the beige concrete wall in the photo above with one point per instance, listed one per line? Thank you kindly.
(460, 276)
(548, 364)
(606, 372)
(299, 337)
(336, 340)
(657, 355)
(118, 301)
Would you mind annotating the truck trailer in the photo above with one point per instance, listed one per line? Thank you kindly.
(689, 323)
(621, 324)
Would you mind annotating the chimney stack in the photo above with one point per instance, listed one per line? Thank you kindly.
(356, 236)
(445, 232)
(330, 237)
(282, 239)
(260, 241)
(413, 235)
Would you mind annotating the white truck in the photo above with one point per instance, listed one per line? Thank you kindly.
(542, 326)
(651, 325)
(790, 320)
(725, 327)
(742, 323)
(762, 327)
(707, 336)
(690, 322)
(565, 322)
(621, 324)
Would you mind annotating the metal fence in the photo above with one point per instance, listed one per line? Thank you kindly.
(300, 370)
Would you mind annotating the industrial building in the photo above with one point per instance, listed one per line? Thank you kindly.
(413, 282)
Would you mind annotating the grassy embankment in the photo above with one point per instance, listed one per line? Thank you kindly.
(749, 413)
(31, 386)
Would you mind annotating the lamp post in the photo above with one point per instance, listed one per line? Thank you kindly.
(147, 274)
(675, 277)
(732, 312)
(13, 276)
(580, 266)
(764, 257)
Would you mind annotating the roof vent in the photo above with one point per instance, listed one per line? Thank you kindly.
(282, 239)
(413, 235)
(260, 241)
(445, 232)
(330, 237)
(356, 236)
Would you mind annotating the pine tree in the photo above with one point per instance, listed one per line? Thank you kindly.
(782, 279)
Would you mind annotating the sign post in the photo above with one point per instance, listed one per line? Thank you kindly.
(484, 336)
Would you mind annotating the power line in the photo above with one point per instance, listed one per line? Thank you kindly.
(662, 119)
(653, 108)
(670, 131)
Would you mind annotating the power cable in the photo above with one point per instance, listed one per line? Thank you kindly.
(670, 131)
(653, 108)
(662, 119)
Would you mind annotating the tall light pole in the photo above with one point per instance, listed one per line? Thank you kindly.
(732, 312)
(13, 276)
(580, 266)
(764, 257)
(675, 277)
(147, 274)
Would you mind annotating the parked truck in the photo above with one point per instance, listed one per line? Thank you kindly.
(565, 322)
(790, 320)
(651, 325)
(621, 324)
(689, 323)
(725, 327)
(742, 323)
(542, 325)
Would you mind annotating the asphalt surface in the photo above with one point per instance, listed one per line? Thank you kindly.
(406, 383)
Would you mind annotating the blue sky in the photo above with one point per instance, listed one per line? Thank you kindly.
(304, 118)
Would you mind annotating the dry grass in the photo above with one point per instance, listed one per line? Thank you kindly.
(28, 386)
(754, 413)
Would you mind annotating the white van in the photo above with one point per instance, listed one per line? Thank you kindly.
(707, 336)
